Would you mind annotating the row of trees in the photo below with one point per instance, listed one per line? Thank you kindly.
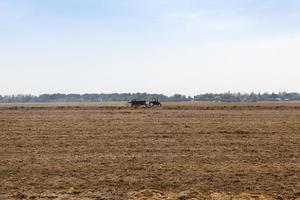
(58, 97)
(252, 97)
(213, 97)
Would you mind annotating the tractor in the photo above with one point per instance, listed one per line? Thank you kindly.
(154, 102)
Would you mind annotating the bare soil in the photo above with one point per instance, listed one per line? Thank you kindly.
(178, 151)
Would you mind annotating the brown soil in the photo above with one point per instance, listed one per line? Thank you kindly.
(187, 151)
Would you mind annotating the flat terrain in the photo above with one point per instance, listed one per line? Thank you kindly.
(179, 151)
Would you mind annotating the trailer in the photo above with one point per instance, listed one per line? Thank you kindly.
(135, 103)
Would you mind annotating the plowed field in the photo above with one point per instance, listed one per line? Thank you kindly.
(182, 151)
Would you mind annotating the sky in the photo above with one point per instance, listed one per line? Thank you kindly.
(157, 46)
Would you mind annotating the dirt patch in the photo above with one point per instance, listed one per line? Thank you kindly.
(106, 153)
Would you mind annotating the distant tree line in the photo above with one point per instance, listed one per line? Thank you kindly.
(245, 97)
(211, 97)
(58, 97)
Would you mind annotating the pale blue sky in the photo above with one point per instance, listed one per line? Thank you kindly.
(161, 46)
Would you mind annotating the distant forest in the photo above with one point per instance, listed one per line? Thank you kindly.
(210, 97)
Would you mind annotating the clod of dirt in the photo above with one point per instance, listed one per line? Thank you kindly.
(190, 195)
(243, 196)
(151, 195)
(219, 196)
(20, 195)
(72, 191)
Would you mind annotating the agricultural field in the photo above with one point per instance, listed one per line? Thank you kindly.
(178, 151)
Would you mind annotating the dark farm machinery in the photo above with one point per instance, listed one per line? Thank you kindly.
(152, 103)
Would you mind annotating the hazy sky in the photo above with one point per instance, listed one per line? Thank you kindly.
(161, 46)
